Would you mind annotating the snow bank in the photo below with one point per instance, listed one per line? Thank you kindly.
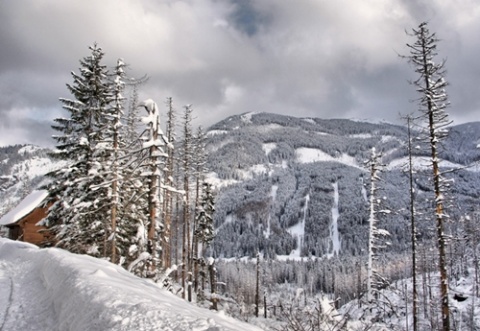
(51, 289)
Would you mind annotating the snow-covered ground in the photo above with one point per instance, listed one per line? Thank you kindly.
(51, 289)
(309, 155)
(268, 148)
(298, 231)
(392, 310)
(334, 234)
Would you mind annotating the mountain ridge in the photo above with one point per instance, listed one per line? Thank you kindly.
(253, 153)
(274, 173)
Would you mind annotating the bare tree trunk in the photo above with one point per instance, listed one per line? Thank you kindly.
(213, 286)
(168, 200)
(257, 287)
(187, 164)
(413, 229)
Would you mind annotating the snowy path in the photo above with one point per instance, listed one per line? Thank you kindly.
(22, 302)
(53, 290)
(6, 285)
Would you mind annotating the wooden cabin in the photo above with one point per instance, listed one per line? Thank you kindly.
(22, 220)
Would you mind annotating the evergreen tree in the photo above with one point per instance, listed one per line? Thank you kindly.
(205, 230)
(74, 216)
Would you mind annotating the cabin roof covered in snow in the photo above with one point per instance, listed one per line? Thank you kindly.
(25, 206)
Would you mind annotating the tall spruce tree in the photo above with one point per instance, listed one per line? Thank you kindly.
(205, 229)
(433, 101)
(73, 217)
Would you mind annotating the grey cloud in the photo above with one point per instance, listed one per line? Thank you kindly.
(306, 58)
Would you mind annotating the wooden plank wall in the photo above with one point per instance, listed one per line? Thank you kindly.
(31, 232)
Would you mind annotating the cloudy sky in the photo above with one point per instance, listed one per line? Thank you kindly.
(307, 58)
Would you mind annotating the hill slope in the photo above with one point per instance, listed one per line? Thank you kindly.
(293, 187)
(297, 187)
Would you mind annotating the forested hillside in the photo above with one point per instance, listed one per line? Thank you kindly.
(269, 167)
(275, 177)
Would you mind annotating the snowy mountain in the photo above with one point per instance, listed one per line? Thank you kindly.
(296, 186)
(51, 289)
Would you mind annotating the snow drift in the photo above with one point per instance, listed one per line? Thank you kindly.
(52, 289)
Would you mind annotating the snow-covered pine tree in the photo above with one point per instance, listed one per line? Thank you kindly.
(433, 102)
(205, 230)
(154, 141)
(74, 218)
